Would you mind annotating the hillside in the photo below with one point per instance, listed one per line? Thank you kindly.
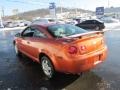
(42, 12)
(112, 9)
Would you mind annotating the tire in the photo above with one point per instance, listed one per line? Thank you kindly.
(47, 67)
(18, 53)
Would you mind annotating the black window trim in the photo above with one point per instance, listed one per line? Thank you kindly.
(25, 30)
(37, 29)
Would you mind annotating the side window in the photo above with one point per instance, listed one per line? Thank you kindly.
(83, 22)
(94, 22)
(86, 22)
(90, 22)
(39, 34)
(28, 32)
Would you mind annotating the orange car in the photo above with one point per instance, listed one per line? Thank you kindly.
(61, 47)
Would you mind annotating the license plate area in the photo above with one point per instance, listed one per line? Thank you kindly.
(97, 60)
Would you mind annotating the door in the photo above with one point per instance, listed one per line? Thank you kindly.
(37, 42)
(89, 24)
(32, 39)
(26, 35)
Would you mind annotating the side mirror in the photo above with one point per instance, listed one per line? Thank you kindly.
(18, 35)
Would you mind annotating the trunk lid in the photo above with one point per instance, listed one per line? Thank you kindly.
(88, 42)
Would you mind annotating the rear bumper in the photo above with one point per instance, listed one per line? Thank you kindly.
(83, 63)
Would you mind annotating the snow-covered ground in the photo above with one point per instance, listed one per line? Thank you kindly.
(15, 28)
(111, 26)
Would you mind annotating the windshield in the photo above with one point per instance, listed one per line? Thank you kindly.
(60, 31)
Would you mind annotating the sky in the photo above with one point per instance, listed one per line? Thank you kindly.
(27, 5)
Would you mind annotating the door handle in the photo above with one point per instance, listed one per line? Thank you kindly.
(28, 42)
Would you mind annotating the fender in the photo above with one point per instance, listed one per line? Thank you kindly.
(51, 56)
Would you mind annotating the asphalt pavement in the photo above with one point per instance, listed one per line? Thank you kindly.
(20, 73)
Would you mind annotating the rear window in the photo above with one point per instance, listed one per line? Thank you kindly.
(64, 30)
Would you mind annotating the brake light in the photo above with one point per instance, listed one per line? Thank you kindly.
(72, 50)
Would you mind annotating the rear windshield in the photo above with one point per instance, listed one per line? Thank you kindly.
(64, 30)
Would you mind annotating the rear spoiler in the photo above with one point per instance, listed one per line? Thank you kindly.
(85, 34)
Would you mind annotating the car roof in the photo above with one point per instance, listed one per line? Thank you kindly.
(44, 25)
(94, 20)
(97, 20)
(91, 20)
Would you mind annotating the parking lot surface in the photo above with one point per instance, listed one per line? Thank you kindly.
(20, 73)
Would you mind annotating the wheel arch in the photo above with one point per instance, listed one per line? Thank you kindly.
(52, 59)
(41, 55)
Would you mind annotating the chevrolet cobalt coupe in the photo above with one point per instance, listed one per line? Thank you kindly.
(61, 47)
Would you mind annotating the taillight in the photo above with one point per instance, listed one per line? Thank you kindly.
(72, 50)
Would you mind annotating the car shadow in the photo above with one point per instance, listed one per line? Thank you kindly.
(34, 76)
(24, 74)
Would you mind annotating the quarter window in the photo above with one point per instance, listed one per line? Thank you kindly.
(39, 34)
